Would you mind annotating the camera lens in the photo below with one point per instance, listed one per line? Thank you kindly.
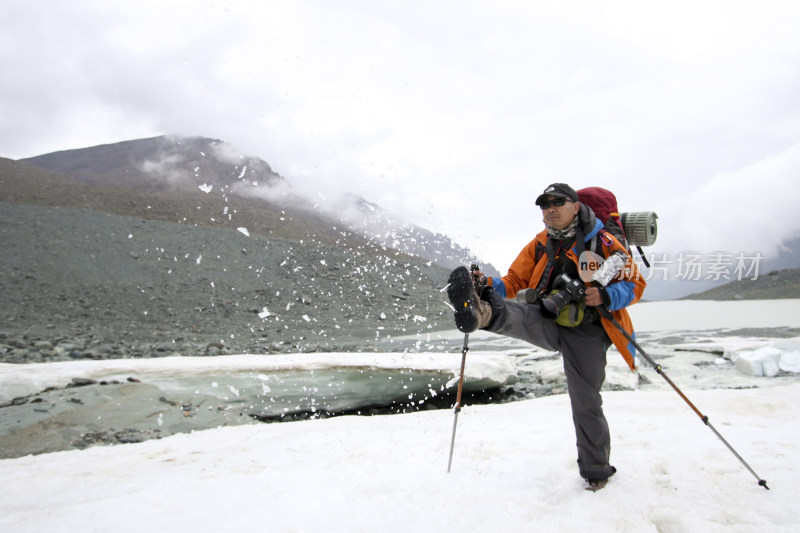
(570, 290)
(553, 305)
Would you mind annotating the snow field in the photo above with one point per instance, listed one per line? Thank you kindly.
(513, 467)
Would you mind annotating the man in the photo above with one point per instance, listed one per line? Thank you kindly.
(557, 312)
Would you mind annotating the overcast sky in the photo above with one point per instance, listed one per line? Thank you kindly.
(454, 114)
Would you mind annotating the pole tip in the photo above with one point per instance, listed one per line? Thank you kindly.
(763, 483)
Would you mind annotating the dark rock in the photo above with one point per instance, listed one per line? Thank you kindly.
(81, 382)
(129, 436)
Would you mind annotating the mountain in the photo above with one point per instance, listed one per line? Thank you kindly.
(164, 172)
(160, 163)
(197, 181)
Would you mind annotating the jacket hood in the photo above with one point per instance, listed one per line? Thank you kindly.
(588, 222)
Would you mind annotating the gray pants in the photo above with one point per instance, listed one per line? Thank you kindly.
(583, 349)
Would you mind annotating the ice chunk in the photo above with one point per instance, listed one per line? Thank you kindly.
(243, 231)
(205, 188)
(761, 362)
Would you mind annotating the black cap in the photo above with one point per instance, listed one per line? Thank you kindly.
(558, 189)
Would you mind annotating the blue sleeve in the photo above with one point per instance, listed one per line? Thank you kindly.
(621, 294)
(499, 286)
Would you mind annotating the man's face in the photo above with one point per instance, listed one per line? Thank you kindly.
(559, 217)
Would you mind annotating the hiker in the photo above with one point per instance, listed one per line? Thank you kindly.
(557, 312)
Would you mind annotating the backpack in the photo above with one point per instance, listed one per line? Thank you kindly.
(638, 229)
(604, 204)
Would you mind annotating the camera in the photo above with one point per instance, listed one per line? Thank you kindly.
(569, 291)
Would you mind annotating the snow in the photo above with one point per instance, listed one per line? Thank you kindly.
(513, 466)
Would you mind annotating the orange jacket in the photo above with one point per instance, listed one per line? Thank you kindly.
(626, 289)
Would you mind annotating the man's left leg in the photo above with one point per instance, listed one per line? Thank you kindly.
(584, 351)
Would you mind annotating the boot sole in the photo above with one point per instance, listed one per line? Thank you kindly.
(460, 292)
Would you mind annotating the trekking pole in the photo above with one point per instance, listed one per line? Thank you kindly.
(464, 351)
(607, 314)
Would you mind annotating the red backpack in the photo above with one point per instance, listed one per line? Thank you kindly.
(604, 204)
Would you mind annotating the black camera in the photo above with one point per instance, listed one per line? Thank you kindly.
(569, 291)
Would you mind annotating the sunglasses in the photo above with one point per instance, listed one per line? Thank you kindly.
(558, 202)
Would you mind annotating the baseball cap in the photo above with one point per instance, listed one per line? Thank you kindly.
(558, 189)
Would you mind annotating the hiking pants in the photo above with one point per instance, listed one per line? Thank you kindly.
(583, 349)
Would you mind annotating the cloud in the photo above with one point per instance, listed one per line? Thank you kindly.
(228, 153)
(167, 168)
(750, 209)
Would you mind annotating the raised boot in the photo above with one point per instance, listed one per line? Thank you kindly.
(470, 311)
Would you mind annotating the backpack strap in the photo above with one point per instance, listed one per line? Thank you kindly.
(538, 251)
(580, 240)
(551, 250)
(644, 259)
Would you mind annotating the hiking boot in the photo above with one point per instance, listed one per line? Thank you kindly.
(471, 312)
(595, 484)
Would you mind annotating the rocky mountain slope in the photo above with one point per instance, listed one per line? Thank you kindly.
(105, 285)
